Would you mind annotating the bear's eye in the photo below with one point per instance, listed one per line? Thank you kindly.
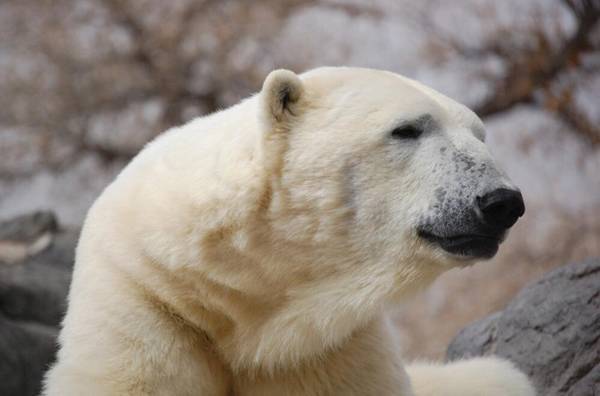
(406, 132)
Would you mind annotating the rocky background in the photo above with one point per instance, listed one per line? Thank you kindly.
(36, 259)
(86, 83)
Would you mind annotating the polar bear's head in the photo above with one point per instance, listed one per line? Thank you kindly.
(375, 164)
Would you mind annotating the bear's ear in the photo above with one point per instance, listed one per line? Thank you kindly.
(280, 96)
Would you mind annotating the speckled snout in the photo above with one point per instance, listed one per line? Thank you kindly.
(473, 207)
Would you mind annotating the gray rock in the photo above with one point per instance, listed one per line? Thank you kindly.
(36, 260)
(28, 226)
(26, 350)
(36, 288)
(26, 236)
(551, 330)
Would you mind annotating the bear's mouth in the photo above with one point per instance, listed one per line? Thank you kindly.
(465, 245)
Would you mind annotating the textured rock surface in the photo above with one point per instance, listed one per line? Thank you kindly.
(551, 330)
(28, 227)
(26, 350)
(33, 287)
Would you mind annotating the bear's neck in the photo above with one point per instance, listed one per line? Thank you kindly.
(258, 319)
(298, 316)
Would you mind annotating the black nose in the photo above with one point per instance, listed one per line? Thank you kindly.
(501, 208)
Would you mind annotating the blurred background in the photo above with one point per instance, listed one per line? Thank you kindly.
(84, 84)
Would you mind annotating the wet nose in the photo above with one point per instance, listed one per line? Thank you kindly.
(501, 208)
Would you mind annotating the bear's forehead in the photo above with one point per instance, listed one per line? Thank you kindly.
(374, 86)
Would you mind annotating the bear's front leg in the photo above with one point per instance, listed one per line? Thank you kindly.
(123, 342)
(487, 376)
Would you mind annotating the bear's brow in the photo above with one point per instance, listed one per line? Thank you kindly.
(425, 121)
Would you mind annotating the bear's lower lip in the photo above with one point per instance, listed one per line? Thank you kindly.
(467, 246)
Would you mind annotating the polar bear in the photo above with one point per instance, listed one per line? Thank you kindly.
(254, 251)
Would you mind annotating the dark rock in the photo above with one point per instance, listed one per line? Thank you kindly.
(36, 260)
(36, 288)
(26, 350)
(26, 236)
(551, 330)
(28, 227)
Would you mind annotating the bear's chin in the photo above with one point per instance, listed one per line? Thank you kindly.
(465, 247)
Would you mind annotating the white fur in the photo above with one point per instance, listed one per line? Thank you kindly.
(253, 251)
(487, 376)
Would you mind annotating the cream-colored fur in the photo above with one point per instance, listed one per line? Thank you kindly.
(484, 376)
(253, 251)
